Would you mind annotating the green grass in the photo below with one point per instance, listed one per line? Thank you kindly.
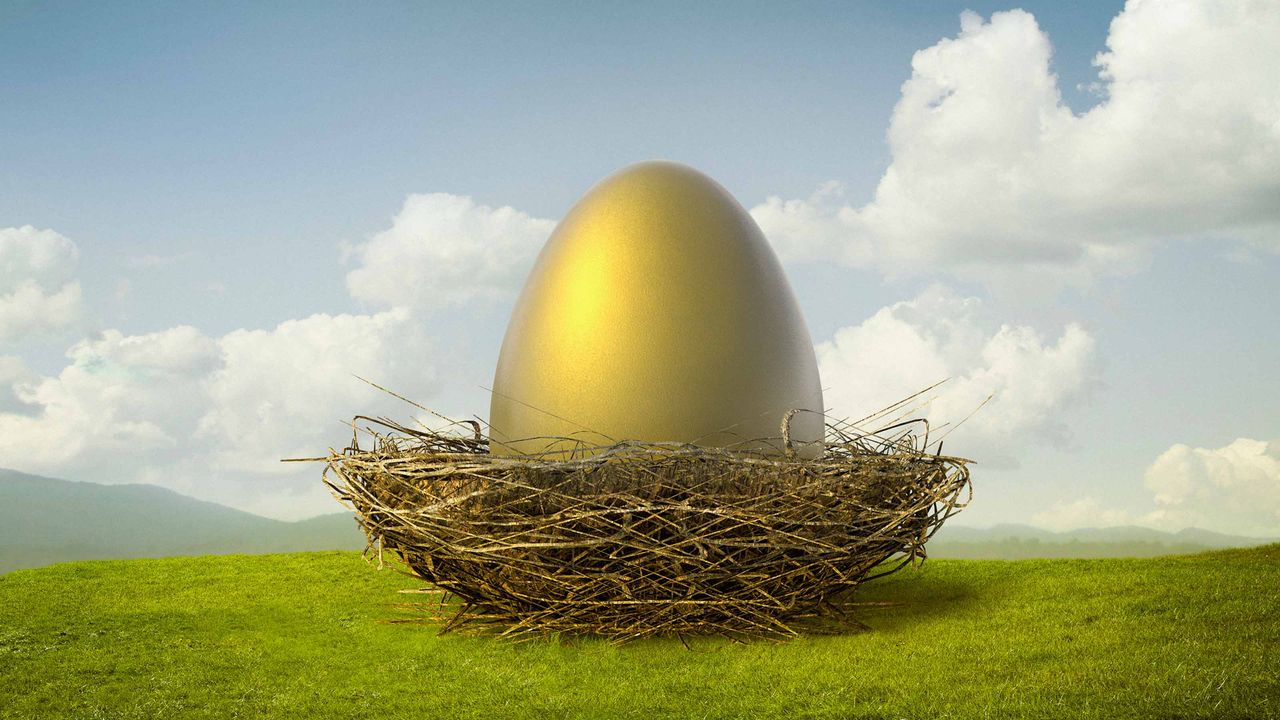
(306, 635)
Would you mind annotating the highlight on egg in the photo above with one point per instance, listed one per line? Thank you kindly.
(655, 312)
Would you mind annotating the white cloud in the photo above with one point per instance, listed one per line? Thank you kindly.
(38, 293)
(820, 228)
(1087, 512)
(282, 393)
(212, 417)
(443, 250)
(1234, 489)
(30, 254)
(152, 262)
(910, 345)
(14, 374)
(121, 398)
(1231, 489)
(32, 310)
(993, 176)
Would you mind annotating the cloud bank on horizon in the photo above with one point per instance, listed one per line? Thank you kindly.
(1235, 487)
(991, 178)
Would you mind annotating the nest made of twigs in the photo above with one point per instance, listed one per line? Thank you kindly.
(640, 539)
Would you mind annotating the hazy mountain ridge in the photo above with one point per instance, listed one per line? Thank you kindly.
(47, 520)
(1015, 541)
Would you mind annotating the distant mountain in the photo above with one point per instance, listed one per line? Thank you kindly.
(1013, 542)
(46, 520)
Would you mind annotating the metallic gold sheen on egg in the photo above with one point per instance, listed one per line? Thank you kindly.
(658, 312)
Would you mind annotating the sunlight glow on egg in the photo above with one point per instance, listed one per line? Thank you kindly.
(656, 311)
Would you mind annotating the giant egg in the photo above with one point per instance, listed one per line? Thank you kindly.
(656, 311)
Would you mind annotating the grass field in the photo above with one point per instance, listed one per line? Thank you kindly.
(306, 635)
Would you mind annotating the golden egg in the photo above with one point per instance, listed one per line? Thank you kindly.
(656, 311)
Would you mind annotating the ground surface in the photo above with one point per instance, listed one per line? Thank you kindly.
(306, 635)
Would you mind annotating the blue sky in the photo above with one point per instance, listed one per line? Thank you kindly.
(228, 168)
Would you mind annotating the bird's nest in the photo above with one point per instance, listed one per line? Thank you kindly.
(642, 539)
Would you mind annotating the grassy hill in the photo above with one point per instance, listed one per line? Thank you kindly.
(313, 635)
(46, 520)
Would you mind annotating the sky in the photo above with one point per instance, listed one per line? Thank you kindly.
(213, 216)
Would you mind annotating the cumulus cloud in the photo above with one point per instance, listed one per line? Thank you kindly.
(1231, 489)
(819, 228)
(38, 292)
(443, 250)
(212, 417)
(280, 392)
(120, 396)
(993, 176)
(14, 374)
(910, 345)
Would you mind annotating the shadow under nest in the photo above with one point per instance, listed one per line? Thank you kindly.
(642, 539)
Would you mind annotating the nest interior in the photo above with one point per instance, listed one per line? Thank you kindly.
(642, 539)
